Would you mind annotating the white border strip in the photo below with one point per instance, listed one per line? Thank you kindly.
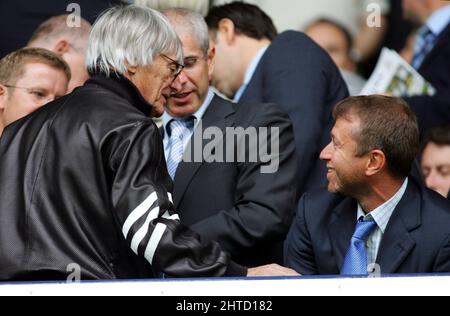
(409, 286)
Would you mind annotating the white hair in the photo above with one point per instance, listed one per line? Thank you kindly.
(199, 6)
(192, 23)
(130, 34)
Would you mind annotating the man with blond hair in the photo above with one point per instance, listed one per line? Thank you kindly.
(30, 78)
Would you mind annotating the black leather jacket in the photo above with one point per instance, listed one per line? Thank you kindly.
(82, 181)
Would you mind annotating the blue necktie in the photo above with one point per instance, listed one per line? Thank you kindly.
(355, 262)
(424, 45)
(178, 129)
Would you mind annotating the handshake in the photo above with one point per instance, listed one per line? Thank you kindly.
(271, 270)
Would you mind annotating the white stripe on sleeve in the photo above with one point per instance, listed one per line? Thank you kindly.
(138, 213)
(158, 232)
(143, 231)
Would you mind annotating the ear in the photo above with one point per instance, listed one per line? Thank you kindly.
(62, 47)
(4, 95)
(211, 56)
(131, 69)
(227, 30)
(376, 163)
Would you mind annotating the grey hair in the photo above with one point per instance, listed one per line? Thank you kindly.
(191, 22)
(132, 35)
(200, 6)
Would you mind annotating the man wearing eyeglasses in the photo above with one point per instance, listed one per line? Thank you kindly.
(29, 79)
(84, 180)
(231, 201)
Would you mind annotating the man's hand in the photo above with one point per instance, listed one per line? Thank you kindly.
(271, 271)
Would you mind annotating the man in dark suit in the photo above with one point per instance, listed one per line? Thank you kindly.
(247, 209)
(20, 18)
(432, 60)
(254, 64)
(401, 227)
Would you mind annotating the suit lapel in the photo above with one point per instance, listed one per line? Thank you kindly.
(342, 228)
(219, 115)
(397, 242)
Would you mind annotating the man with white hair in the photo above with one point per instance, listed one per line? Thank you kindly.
(70, 43)
(199, 6)
(84, 179)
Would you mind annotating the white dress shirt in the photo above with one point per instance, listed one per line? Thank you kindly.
(381, 216)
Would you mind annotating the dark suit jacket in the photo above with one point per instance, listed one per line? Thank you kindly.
(301, 77)
(20, 18)
(435, 111)
(417, 238)
(249, 213)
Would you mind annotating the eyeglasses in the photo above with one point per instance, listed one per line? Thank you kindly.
(175, 67)
(191, 62)
(39, 95)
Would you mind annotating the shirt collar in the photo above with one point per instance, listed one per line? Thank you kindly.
(253, 65)
(250, 72)
(382, 214)
(439, 20)
(197, 115)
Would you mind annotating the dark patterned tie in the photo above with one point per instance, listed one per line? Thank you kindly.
(424, 45)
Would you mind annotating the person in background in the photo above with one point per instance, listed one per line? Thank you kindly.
(70, 43)
(20, 18)
(199, 6)
(338, 42)
(436, 160)
(431, 60)
(352, 14)
(255, 64)
(246, 210)
(29, 79)
(374, 217)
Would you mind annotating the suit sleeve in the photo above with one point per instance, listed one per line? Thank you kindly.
(145, 213)
(307, 88)
(298, 248)
(264, 201)
(442, 264)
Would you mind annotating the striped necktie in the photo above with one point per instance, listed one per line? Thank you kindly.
(424, 45)
(355, 262)
(178, 130)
